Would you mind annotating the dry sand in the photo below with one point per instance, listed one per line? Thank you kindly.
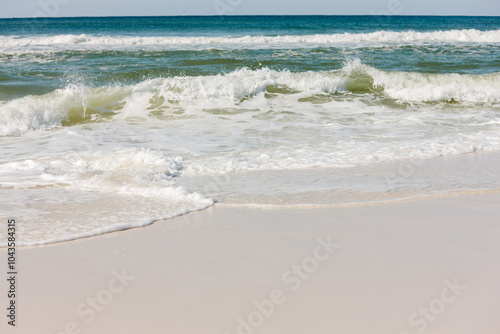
(423, 266)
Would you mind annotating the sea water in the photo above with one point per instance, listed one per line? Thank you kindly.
(113, 123)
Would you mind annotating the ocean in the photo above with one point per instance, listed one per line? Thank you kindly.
(113, 123)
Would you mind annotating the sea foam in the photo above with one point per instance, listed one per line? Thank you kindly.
(77, 103)
(60, 42)
(137, 185)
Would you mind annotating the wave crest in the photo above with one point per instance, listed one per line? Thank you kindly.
(75, 104)
(403, 37)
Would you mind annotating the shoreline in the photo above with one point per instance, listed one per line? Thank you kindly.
(215, 270)
(118, 229)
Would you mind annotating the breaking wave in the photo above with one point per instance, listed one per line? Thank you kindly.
(403, 37)
(76, 103)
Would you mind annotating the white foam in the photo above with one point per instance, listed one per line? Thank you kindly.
(47, 111)
(139, 172)
(229, 90)
(422, 87)
(95, 192)
(404, 86)
(58, 42)
(344, 154)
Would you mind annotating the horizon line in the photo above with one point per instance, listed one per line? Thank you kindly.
(243, 15)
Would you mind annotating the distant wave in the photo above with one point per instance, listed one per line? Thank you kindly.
(405, 37)
(75, 103)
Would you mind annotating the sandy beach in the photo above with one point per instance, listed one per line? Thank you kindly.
(423, 266)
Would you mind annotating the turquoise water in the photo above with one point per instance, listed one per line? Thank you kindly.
(129, 63)
(110, 123)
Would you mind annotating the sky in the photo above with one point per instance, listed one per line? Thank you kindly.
(61, 8)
